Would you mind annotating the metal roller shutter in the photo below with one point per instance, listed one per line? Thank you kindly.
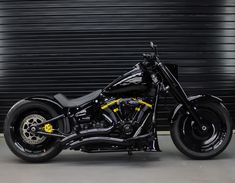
(77, 46)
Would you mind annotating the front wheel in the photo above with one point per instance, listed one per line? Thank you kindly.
(198, 144)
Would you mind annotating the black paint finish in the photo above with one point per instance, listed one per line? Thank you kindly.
(76, 46)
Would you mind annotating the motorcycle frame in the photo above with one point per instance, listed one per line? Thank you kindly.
(172, 85)
(164, 81)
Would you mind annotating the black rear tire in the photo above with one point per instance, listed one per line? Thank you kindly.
(47, 148)
(197, 145)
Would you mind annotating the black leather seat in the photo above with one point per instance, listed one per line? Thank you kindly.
(65, 102)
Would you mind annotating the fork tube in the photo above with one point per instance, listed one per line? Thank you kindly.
(178, 92)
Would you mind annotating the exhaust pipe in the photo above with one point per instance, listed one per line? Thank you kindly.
(86, 133)
(94, 140)
(97, 131)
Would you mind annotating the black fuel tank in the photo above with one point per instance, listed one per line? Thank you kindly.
(133, 82)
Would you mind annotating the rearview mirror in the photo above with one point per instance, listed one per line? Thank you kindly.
(154, 47)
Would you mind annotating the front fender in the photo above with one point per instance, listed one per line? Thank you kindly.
(194, 99)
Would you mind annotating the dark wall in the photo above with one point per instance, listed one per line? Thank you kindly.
(77, 46)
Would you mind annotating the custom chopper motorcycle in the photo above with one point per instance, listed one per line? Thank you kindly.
(120, 117)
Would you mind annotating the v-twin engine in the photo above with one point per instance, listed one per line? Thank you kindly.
(129, 116)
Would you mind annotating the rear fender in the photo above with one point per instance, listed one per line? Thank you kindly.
(193, 99)
(48, 100)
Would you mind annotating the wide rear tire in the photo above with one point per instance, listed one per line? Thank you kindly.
(197, 145)
(27, 146)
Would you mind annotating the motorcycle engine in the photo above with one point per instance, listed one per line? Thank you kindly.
(126, 114)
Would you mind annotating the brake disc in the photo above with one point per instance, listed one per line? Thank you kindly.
(29, 137)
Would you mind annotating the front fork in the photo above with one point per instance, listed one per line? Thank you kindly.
(181, 98)
(193, 111)
(179, 94)
(189, 107)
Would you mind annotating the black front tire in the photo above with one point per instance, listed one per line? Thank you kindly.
(195, 144)
(35, 153)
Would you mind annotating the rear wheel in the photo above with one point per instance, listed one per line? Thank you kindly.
(207, 143)
(22, 142)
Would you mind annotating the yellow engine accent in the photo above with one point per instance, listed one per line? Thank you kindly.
(48, 128)
(145, 103)
(110, 103)
(116, 101)
(115, 110)
(137, 108)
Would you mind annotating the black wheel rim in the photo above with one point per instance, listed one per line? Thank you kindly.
(203, 141)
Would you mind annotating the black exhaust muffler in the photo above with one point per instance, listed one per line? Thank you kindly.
(94, 140)
(86, 133)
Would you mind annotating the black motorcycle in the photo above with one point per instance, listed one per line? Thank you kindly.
(120, 117)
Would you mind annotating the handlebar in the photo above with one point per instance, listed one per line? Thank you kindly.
(149, 56)
(151, 59)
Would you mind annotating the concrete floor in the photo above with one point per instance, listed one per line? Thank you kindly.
(167, 166)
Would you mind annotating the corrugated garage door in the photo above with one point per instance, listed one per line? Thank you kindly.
(77, 46)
